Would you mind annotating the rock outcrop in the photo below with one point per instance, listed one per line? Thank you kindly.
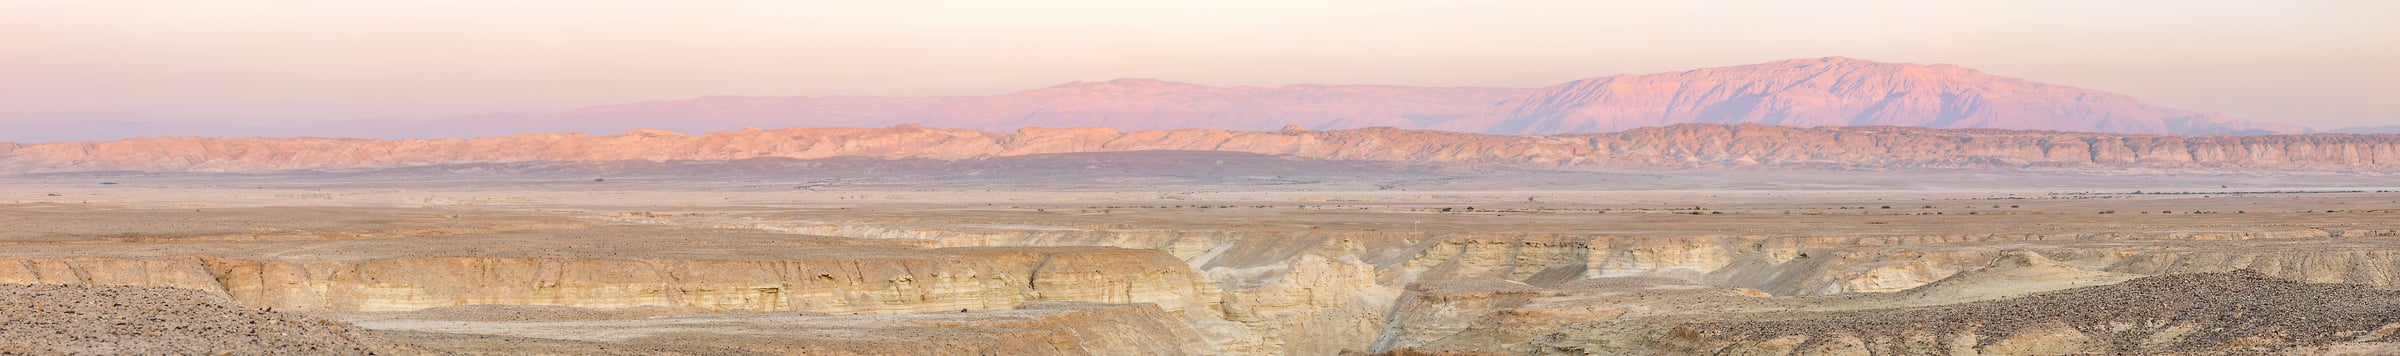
(1678, 146)
(874, 282)
(1306, 292)
(1031, 329)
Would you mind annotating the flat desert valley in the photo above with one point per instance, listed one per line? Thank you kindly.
(1164, 253)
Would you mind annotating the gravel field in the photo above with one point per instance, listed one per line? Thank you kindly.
(2201, 312)
(120, 320)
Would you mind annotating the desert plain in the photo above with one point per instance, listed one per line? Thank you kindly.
(1196, 253)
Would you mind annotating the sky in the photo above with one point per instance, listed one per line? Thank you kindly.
(215, 65)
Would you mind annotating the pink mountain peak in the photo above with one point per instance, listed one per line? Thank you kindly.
(1838, 91)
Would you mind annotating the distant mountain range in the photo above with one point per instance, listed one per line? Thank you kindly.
(1832, 91)
(1837, 91)
(1701, 146)
(1128, 104)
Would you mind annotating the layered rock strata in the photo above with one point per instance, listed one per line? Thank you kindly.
(1041, 328)
(945, 280)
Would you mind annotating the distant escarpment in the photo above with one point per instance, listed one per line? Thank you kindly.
(1831, 91)
(1675, 146)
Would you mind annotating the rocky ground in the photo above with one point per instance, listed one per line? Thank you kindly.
(126, 320)
(1611, 264)
(2233, 312)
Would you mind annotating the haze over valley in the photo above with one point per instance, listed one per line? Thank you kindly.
(1829, 91)
(932, 177)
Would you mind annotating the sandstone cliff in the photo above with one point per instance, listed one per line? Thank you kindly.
(1677, 146)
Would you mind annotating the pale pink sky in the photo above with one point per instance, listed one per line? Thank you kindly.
(2324, 64)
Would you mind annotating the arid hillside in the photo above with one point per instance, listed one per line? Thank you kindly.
(1677, 146)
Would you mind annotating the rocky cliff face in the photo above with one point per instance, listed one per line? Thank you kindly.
(895, 282)
(1678, 146)
(1310, 293)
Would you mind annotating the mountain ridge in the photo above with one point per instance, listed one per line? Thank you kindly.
(1797, 92)
(1841, 91)
(1699, 146)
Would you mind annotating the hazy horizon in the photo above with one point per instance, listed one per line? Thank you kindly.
(205, 67)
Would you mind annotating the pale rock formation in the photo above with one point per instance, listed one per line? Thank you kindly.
(945, 280)
(185, 273)
(1039, 328)
(1319, 306)
(1274, 283)
(1259, 291)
